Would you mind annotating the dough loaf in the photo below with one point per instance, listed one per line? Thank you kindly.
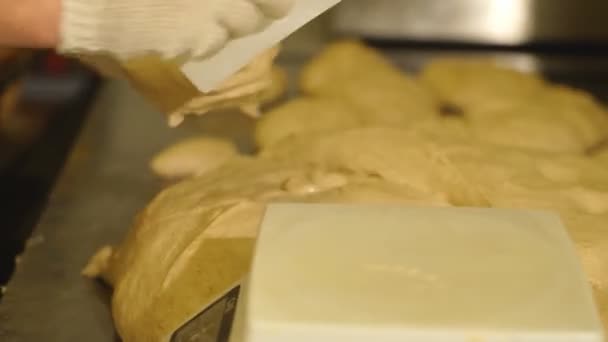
(558, 119)
(255, 84)
(354, 73)
(470, 82)
(305, 115)
(164, 85)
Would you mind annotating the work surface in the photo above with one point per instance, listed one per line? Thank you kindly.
(103, 186)
(105, 183)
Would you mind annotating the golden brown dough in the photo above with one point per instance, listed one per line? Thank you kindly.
(305, 115)
(558, 119)
(195, 239)
(362, 77)
(467, 83)
(528, 125)
(255, 84)
(581, 110)
(511, 108)
(163, 84)
(361, 151)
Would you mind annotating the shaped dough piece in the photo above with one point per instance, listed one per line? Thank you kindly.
(543, 194)
(490, 166)
(389, 153)
(528, 125)
(397, 155)
(601, 158)
(305, 115)
(362, 77)
(575, 170)
(511, 108)
(257, 83)
(192, 157)
(163, 84)
(441, 128)
(174, 261)
(366, 191)
(467, 83)
(581, 110)
(538, 180)
(558, 119)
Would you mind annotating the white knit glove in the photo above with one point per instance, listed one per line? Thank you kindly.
(171, 28)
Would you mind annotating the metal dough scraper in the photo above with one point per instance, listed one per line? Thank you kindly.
(209, 73)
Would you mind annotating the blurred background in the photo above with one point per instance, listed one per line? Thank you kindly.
(43, 102)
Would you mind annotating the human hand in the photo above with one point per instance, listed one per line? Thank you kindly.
(170, 28)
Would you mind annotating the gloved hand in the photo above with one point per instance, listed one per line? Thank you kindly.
(171, 28)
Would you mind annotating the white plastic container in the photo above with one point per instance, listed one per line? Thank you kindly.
(387, 273)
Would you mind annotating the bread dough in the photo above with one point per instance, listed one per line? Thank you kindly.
(195, 239)
(163, 84)
(193, 156)
(305, 115)
(528, 125)
(468, 82)
(511, 108)
(601, 158)
(256, 83)
(581, 110)
(360, 151)
(362, 77)
(558, 119)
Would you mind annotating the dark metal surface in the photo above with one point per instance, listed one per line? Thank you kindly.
(38, 156)
(104, 184)
(499, 22)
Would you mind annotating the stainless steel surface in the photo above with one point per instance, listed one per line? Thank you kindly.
(504, 22)
(104, 184)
